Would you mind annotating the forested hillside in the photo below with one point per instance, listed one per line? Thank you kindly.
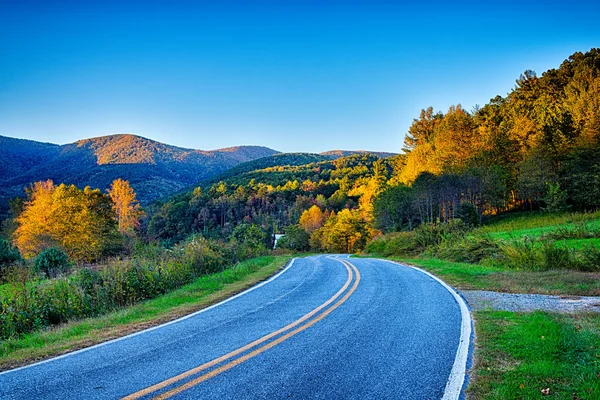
(345, 153)
(272, 197)
(537, 147)
(18, 156)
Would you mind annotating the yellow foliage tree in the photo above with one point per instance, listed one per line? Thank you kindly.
(456, 139)
(34, 224)
(80, 222)
(344, 232)
(312, 219)
(126, 206)
(421, 159)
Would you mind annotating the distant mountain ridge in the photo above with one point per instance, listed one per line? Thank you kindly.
(154, 169)
(345, 153)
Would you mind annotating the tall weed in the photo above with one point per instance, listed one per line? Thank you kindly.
(558, 257)
(580, 230)
(394, 244)
(590, 259)
(27, 305)
(430, 235)
(470, 249)
(521, 253)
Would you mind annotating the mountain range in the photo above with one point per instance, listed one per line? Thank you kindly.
(154, 169)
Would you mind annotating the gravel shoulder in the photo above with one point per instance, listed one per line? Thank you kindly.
(480, 300)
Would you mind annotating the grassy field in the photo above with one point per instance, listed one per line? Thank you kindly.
(195, 296)
(536, 224)
(523, 355)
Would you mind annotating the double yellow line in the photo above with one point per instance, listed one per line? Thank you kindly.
(258, 346)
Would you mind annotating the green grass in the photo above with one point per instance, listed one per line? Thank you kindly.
(578, 244)
(520, 354)
(192, 297)
(503, 279)
(535, 222)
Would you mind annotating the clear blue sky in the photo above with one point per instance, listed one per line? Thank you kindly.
(294, 76)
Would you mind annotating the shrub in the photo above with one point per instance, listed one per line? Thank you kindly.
(27, 305)
(521, 253)
(60, 301)
(429, 235)
(52, 262)
(208, 256)
(378, 245)
(557, 257)
(471, 249)
(393, 244)
(590, 259)
(88, 281)
(556, 198)
(8, 253)
(249, 234)
(295, 238)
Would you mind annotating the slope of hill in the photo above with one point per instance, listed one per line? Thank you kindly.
(287, 160)
(334, 154)
(154, 169)
(277, 160)
(18, 156)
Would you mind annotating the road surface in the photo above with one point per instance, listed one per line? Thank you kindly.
(326, 327)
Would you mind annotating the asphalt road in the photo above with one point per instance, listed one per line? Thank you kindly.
(324, 328)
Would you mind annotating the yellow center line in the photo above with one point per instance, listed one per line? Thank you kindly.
(261, 349)
(234, 353)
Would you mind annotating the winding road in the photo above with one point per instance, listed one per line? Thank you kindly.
(325, 327)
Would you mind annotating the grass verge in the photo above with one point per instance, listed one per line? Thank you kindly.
(503, 279)
(521, 355)
(199, 294)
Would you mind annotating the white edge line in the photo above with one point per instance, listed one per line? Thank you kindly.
(155, 327)
(456, 379)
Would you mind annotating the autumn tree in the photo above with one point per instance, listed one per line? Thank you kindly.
(127, 208)
(34, 224)
(422, 129)
(312, 219)
(82, 222)
(344, 232)
(455, 139)
(420, 160)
